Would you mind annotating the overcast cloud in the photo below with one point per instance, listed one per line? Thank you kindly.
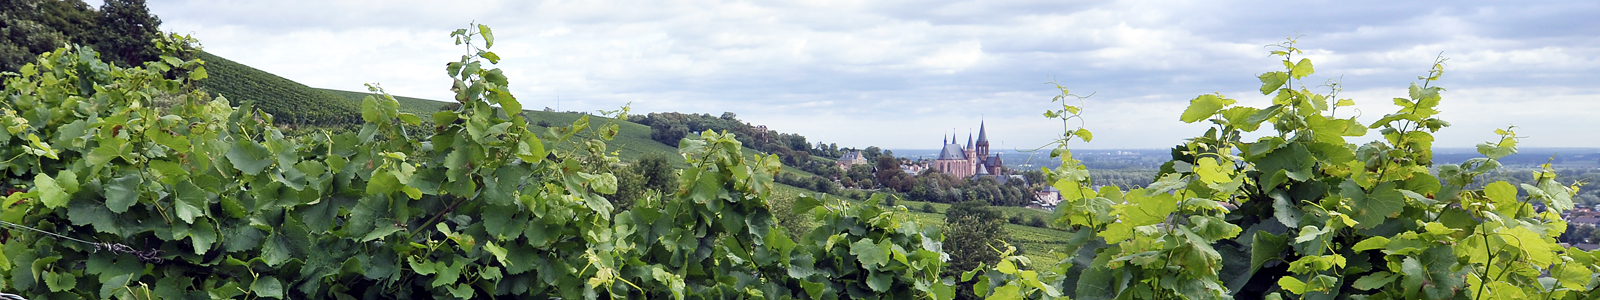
(899, 74)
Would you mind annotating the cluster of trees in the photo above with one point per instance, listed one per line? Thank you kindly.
(973, 231)
(934, 186)
(652, 176)
(814, 183)
(669, 127)
(120, 30)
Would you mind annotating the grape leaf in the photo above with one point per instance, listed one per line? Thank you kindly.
(1202, 107)
(50, 193)
(249, 157)
(123, 192)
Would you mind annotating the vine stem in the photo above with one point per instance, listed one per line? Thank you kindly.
(440, 215)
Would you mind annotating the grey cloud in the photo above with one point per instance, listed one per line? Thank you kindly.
(885, 72)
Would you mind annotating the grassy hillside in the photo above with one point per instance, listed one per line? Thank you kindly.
(299, 105)
(418, 106)
(289, 102)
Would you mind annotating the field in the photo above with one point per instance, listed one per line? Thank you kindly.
(288, 101)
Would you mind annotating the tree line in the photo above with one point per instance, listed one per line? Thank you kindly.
(120, 30)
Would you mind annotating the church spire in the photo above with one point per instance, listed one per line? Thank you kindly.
(969, 140)
(983, 138)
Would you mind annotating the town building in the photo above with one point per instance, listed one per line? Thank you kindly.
(851, 158)
(971, 160)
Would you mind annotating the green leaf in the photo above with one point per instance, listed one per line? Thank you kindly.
(1572, 275)
(1559, 196)
(1373, 208)
(1495, 151)
(1271, 81)
(448, 274)
(942, 291)
(369, 110)
(530, 149)
(493, 58)
(1265, 247)
(267, 286)
(380, 232)
(1006, 266)
(869, 253)
(1370, 243)
(1293, 285)
(123, 192)
(1309, 233)
(50, 193)
(1375, 280)
(202, 236)
(1503, 194)
(1007, 292)
(191, 201)
(277, 249)
(60, 282)
(1302, 68)
(1083, 134)
(460, 291)
(168, 172)
(510, 105)
(410, 119)
(805, 203)
(498, 252)
(198, 73)
(488, 36)
(604, 183)
(423, 268)
(1202, 107)
(249, 157)
(880, 281)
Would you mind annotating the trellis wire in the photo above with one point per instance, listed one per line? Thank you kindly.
(149, 256)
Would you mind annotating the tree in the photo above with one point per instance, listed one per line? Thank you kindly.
(872, 152)
(973, 231)
(973, 227)
(657, 171)
(887, 169)
(30, 27)
(125, 31)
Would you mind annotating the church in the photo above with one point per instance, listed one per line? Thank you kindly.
(969, 161)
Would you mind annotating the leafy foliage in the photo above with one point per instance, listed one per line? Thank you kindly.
(1302, 213)
(205, 200)
(200, 199)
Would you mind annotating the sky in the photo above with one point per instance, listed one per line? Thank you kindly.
(903, 74)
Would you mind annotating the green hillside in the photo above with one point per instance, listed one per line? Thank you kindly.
(418, 106)
(289, 102)
(292, 103)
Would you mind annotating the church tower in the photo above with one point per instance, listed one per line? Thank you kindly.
(983, 142)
